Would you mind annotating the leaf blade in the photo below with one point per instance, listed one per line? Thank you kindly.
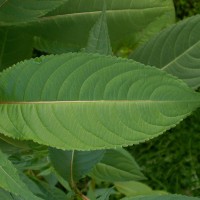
(112, 102)
(117, 165)
(174, 50)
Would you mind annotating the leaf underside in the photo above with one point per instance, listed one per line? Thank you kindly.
(88, 101)
(176, 51)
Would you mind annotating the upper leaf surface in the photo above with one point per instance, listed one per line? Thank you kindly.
(85, 101)
(129, 22)
(24, 25)
(175, 50)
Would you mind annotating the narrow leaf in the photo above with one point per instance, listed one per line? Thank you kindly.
(176, 51)
(83, 101)
(10, 180)
(99, 41)
(72, 165)
(117, 165)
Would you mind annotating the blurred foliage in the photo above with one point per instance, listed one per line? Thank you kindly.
(186, 8)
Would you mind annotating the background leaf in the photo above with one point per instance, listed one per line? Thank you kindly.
(43, 189)
(72, 165)
(67, 28)
(11, 181)
(4, 195)
(175, 50)
(133, 188)
(162, 197)
(128, 18)
(117, 165)
(99, 41)
(109, 100)
(15, 11)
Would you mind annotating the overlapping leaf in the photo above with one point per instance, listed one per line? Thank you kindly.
(8, 196)
(175, 50)
(85, 101)
(16, 11)
(15, 43)
(67, 28)
(10, 180)
(129, 22)
(133, 188)
(72, 165)
(117, 165)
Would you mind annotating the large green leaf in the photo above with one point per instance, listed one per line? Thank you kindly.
(117, 165)
(162, 197)
(10, 180)
(84, 101)
(175, 50)
(129, 22)
(72, 165)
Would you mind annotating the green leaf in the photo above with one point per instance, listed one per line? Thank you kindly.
(85, 102)
(4, 195)
(133, 188)
(10, 180)
(72, 165)
(117, 165)
(99, 41)
(43, 189)
(176, 51)
(162, 197)
(15, 45)
(128, 22)
(15, 11)
(106, 195)
(67, 28)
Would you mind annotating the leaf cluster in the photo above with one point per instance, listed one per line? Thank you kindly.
(65, 117)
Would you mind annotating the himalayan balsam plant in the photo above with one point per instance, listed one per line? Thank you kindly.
(67, 112)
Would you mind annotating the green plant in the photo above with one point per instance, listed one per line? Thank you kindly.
(77, 110)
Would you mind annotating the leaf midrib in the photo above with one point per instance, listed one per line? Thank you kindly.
(99, 101)
(178, 57)
(54, 17)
